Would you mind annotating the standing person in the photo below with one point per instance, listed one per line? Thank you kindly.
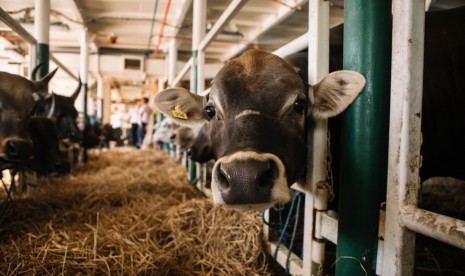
(134, 121)
(144, 112)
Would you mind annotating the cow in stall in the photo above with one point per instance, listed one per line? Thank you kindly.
(18, 97)
(164, 130)
(17, 102)
(62, 111)
(257, 111)
(234, 141)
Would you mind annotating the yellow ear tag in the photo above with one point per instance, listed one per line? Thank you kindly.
(177, 113)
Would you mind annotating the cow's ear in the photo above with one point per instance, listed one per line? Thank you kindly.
(335, 92)
(181, 105)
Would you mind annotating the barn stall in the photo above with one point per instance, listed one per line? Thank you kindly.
(117, 65)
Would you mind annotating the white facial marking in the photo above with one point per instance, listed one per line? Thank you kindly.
(280, 192)
(246, 112)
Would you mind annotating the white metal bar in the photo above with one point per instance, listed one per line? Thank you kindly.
(281, 13)
(225, 17)
(404, 132)
(318, 66)
(295, 263)
(172, 59)
(182, 73)
(328, 226)
(433, 225)
(42, 21)
(16, 27)
(294, 46)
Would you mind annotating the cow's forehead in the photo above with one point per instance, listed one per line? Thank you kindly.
(16, 92)
(256, 80)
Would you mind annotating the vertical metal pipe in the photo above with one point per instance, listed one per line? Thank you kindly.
(318, 66)
(367, 44)
(42, 33)
(32, 58)
(199, 22)
(172, 60)
(84, 78)
(404, 132)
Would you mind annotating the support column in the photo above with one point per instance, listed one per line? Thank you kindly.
(315, 200)
(100, 97)
(32, 58)
(199, 23)
(408, 41)
(106, 102)
(367, 49)
(42, 31)
(172, 60)
(84, 77)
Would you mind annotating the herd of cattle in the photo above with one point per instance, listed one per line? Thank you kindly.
(255, 119)
(37, 127)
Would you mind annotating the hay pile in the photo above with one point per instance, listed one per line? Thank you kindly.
(127, 212)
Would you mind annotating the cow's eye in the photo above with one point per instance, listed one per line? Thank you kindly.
(299, 106)
(210, 112)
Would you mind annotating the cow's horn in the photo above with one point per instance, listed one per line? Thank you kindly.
(78, 89)
(34, 71)
(52, 108)
(42, 84)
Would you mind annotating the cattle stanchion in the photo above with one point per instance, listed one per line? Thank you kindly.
(367, 43)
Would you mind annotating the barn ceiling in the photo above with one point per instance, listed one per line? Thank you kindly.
(145, 27)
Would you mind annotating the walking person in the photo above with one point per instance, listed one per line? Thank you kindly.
(134, 121)
(144, 116)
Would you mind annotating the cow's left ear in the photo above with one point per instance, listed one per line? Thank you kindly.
(181, 105)
(334, 93)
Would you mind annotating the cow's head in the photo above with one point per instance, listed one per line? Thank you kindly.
(257, 111)
(201, 149)
(61, 110)
(164, 131)
(17, 100)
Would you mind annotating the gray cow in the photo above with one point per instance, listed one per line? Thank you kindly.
(257, 111)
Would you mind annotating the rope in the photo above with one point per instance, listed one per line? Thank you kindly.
(286, 225)
(294, 231)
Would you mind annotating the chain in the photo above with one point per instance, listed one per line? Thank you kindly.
(329, 172)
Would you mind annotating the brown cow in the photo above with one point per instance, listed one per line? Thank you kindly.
(257, 111)
(17, 102)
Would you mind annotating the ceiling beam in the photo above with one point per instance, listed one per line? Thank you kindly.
(225, 17)
(281, 13)
(77, 11)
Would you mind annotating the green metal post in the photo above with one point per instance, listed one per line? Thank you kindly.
(43, 55)
(367, 49)
(193, 166)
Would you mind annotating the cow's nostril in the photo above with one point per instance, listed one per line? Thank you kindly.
(18, 149)
(223, 178)
(268, 175)
(11, 148)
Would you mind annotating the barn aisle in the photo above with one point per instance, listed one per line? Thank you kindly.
(126, 212)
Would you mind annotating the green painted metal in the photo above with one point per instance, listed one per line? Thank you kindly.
(367, 49)
(193, 166)
(43, 56)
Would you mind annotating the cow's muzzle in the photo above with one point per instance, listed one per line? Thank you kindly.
(249, 180)
(17, 149)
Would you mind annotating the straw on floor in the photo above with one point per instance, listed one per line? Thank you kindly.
(126, 212)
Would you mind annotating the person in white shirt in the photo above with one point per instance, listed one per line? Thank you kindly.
(144, 117)
(134, 121)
